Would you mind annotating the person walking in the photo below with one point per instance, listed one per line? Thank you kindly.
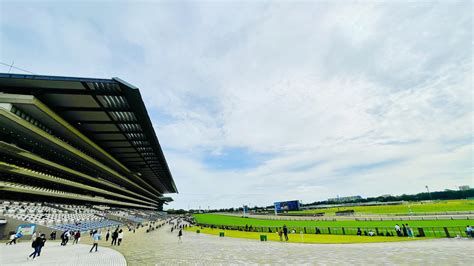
(43, 241)
(96, 238)
(107, 236)
(114, 238)
(77, 237)
(404, 229)
(64, 238)
(285, 232)
(14, 237)
(37, 245)
(120, 237)
(180, 234)
(280, 234)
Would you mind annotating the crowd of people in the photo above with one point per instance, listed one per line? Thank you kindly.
(38, 239)
(179, 225)
(74, 236)
(405, 230)
(116, 235)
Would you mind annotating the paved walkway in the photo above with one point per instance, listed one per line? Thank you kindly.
(54, 254)
(161, 247)
(207, 249)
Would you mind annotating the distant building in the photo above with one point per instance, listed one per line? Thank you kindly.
(345, 199)
(464, 188)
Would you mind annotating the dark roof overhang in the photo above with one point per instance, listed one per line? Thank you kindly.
(110, 112)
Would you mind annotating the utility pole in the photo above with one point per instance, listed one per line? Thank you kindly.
(429, 193)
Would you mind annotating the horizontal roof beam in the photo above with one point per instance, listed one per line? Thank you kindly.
(91, 109)
(26, 90)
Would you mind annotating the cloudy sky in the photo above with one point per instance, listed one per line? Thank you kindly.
(259, 101)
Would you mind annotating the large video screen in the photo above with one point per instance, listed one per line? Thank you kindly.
(284, 206)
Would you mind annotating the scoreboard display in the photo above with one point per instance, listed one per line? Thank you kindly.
(283, 206)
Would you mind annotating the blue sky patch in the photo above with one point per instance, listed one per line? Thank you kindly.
(235, 158)
(369, 166)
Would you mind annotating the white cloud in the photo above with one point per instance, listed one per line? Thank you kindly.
(341, 98)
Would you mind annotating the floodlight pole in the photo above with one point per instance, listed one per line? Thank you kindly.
(429, 193)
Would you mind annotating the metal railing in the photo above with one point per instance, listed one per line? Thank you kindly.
(435, 232)
(365, 218)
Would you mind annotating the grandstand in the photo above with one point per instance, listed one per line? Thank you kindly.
(78, 153)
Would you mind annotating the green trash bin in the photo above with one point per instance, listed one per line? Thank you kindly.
(221, 234)
(198, 231)
(263, 237)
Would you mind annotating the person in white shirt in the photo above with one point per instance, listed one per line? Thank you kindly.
(398, 230)
(120, 237)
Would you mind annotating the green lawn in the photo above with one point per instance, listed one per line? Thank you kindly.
(406, 208)
(297, 238)
(217, 219)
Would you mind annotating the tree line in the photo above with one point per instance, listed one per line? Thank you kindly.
(437, 195)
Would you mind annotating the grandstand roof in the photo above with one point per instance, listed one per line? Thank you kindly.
(110, 112)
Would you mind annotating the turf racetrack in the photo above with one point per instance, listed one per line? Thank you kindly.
(405, 208)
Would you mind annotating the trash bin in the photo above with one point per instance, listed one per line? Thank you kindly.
(263, 237)
(198, 231)
(221, 234)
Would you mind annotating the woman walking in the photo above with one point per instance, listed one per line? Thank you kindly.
(96, 237)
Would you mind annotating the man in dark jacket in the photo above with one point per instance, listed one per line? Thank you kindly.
(114, 237)
(65, 237)
(285, 232)
(37, 245)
